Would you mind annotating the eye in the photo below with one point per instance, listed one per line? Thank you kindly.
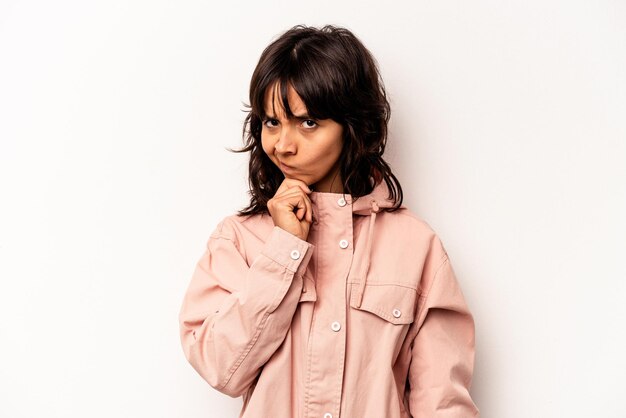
(309, 123)
(270, 123)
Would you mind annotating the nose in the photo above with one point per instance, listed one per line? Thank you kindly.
(285, 143)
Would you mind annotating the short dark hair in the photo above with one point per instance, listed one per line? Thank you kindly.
(337, 78)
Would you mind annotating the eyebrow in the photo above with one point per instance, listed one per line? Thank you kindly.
(299, 117)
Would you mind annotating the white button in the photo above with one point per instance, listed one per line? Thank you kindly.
(295, 254)
(341, 202)
(397, 313)
(336, 326)
(328, 415)
(343, 243)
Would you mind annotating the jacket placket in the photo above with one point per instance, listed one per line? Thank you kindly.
(332, 235)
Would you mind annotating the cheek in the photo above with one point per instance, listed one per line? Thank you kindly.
(265, 145)
(336, 147)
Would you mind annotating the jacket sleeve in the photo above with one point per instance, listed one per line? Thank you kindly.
(234, 316)
(442, 353)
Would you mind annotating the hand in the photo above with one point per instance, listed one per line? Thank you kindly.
(291, 208)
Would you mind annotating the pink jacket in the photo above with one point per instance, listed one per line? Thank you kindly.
(365, 319)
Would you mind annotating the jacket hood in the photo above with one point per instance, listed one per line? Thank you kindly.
(379, 197)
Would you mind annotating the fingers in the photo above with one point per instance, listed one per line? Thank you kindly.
(308, 209)
(300, 212)
(295, 198)
(291, 209)
(290, 183)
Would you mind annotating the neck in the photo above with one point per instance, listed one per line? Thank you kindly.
(329, 185)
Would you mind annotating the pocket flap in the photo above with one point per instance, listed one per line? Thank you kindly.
(391, 302)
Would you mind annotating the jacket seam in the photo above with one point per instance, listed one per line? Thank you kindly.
(224, 237)
(386, 284)
(443, 261)
(245, 352)
(426, 294)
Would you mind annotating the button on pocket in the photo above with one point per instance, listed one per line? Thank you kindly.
(393, 303)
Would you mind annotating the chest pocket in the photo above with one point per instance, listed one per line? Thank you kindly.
(393, 303)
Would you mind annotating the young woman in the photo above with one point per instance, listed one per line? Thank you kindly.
(326, 297)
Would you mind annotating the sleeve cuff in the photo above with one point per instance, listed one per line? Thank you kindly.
(288, 250)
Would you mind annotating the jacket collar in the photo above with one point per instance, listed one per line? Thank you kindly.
(369, 204)
(364, 205)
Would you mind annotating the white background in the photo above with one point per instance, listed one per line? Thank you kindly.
(508, 135)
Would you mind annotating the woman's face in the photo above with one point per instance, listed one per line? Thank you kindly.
(302, 148)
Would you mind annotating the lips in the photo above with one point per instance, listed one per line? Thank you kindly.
(285, 167)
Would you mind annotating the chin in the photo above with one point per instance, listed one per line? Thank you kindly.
(296, 177)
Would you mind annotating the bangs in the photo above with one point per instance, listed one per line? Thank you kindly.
(316, 78)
